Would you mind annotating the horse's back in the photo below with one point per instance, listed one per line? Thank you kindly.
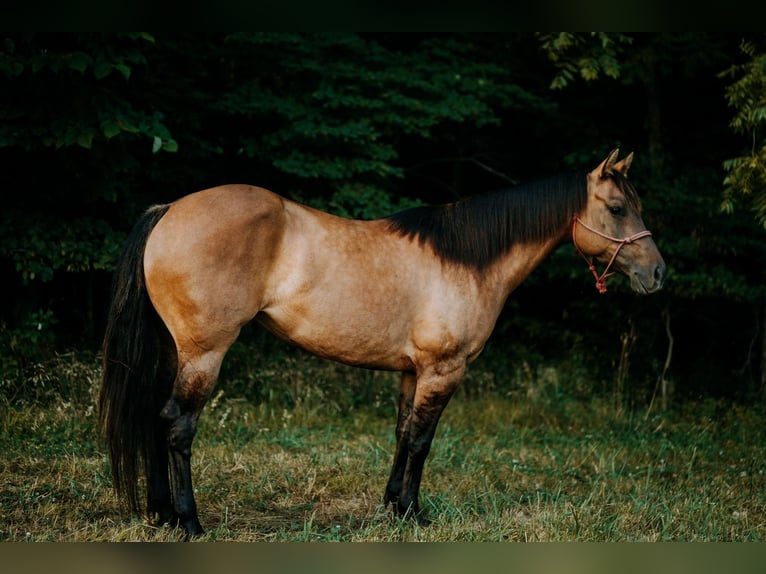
(224, 206)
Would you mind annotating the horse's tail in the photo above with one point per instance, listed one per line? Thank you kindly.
(129, 403)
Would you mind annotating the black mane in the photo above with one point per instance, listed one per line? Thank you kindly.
(477, 230)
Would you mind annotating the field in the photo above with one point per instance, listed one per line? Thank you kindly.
(309, 462)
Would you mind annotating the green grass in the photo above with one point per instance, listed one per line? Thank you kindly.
(532, 464)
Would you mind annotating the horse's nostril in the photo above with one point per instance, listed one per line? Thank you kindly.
(659, 273)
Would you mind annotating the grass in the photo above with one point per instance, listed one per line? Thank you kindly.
(530, 464)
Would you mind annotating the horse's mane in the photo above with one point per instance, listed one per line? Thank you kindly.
(477, 230)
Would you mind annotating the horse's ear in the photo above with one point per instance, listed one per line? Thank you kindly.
(624, 164)
(605, 167)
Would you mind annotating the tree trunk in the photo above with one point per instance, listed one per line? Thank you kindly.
(653, 111)
(663, 384)
(668, 358)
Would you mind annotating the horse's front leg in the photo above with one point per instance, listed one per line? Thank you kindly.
(433, 391)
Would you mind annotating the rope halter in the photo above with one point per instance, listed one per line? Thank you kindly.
(601, 279)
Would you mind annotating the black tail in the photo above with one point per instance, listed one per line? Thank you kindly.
(129, 403)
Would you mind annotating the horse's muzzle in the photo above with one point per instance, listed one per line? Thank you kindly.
(649, 283)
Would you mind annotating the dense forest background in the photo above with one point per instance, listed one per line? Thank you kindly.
(94, 128)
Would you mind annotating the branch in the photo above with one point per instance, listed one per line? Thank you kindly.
(661, 379)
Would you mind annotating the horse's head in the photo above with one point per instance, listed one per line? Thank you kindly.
(610, 228)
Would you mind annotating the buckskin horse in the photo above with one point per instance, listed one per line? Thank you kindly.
(417, 292)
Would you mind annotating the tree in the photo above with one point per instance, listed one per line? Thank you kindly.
(71, 127)
(745, 179)
(746, 174)
(334, 113)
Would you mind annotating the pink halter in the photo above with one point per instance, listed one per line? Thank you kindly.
(601, 280)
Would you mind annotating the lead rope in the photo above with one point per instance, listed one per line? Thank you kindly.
(601, 279)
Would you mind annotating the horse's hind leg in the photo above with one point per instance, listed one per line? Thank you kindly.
(181, 431)
(406, 397)
(194, 383)
(159, 500)
(160, 504)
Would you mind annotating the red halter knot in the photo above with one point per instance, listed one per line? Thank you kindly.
(601, 279)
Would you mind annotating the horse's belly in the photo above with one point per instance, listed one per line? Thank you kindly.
(373, 344)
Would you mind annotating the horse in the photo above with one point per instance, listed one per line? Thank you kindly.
(417, 292)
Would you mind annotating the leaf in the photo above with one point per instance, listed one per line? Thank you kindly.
(127, 126)
(146, 36)
(9, 67)
(123, 69)
(110, 128)
(101, 70)
(170, 146)
(79, 61)
(85, 139)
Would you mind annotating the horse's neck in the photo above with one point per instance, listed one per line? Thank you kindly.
(513, 268)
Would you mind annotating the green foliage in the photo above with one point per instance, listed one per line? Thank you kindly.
(746, 174)
(78, 84)
(51, 244)
(707, 254)
(69, 114)
(338, 108)
(364, 202)
(585, 54)
(25, 344)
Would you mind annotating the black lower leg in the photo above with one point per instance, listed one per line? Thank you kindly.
(406, 395)
(160, 504)
(421, 430)
(394, 485)
(407, 503)
(181, 430)
(159, 500)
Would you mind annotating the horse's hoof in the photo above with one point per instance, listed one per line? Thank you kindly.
(411, 513)
(193, 529)
(167, 518)
(390, 497)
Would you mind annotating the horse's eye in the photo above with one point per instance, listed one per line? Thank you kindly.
(616, 210)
